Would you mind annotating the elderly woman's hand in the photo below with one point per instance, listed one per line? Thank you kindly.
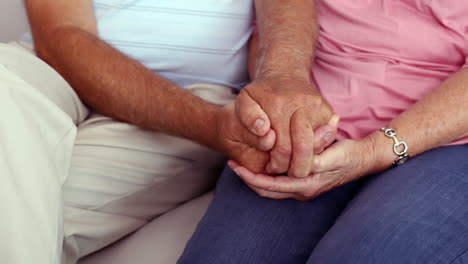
(343, 162)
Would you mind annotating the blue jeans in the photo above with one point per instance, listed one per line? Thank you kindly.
(415, 213)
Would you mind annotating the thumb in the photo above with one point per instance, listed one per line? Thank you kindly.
(264, 143)
(330, 159)
(325, 135)
(252, 115)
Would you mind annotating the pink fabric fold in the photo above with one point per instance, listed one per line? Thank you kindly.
(378, 57)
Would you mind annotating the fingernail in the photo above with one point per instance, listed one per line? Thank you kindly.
(336, 120)
(258, 125)
(230, 164)
(327, 136)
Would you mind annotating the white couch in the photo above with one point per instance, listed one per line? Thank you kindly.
(159, 242)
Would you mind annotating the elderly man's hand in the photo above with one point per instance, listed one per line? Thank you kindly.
(293, 109)
(343, 162)
(239, 144)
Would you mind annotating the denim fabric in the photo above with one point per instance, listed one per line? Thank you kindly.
(241, 227)
(415, 213)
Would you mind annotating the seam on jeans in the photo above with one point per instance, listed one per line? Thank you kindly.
(459, 256)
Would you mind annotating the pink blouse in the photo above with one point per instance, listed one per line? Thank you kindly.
(378, 57)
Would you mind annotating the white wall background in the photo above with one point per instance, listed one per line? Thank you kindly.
(13, 22)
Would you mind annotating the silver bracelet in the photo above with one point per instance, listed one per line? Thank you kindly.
(400, 148)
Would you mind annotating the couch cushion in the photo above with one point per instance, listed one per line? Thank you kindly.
(160, 242)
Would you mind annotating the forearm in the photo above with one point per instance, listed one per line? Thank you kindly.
(287, 38)
(436, 120)
(122, 88)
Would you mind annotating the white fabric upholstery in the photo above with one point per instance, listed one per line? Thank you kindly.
(161, 241)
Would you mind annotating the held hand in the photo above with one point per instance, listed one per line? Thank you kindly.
(240, 144)
(293, 109)
(343, 162)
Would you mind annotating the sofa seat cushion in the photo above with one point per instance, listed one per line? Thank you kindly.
(161, 241)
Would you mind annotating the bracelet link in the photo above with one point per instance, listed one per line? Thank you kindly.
(397, 145)
(400, 148)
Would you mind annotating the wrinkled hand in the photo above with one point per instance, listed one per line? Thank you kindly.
(343, 162)
(293, 109)
(239, 144)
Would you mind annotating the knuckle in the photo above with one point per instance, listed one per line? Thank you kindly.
(312, 99)
(319, 108)
(315, 101)
(303, 147)
(298, 173)
(283, 150)
(263, 145)
(316, 164)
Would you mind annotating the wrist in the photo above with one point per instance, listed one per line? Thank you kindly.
(222, 122)
(208, 134)
(284, 73)
(381, 151)
(280, 81)
(283, 70)
(283, 62)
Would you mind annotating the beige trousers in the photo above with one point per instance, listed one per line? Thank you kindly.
(73, 181)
